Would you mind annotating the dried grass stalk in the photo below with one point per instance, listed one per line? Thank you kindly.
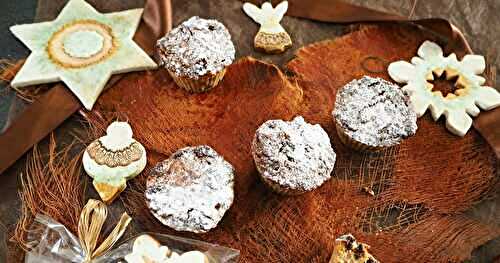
(8, 70)
(51, 186)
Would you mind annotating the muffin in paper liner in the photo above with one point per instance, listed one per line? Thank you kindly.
(293, 157)
(280, 189)
(372, 114)
(196, 53)
(191, 190)
(355, 145)
(202, 84)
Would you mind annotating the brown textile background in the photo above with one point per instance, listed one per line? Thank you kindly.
(302, 33)
(422, 187)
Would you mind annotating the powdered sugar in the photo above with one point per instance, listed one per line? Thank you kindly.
(191, 190)
(374, 112)
(196, 47)
(294, 154)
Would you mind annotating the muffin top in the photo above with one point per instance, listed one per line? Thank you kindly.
(294, 154)
(196, 47)
(191, 190)
(374, 112)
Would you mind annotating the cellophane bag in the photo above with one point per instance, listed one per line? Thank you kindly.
(50, 241)
(180, 245)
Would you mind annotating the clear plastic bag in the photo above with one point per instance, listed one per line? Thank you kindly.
(214, 253)
(50, 241)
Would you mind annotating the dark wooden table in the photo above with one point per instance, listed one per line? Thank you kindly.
(478, 19)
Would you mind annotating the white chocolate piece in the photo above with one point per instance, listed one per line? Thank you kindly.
(272, 37)
(146, 249)
(81, 48)
(113, 159)
(188, 257)
(467, 100)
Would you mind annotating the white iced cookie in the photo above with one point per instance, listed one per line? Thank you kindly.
(147, 250)
(272, 37)
(469, 96)
(113, 159)
(81, 48)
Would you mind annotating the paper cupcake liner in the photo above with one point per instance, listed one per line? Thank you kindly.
(353, 144)
(202, 84)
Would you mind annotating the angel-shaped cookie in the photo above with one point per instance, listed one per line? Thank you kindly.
(272, 37)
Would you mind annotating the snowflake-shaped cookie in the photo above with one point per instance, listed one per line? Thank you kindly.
(456, 107)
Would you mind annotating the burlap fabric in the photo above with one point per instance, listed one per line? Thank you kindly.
(420, 188)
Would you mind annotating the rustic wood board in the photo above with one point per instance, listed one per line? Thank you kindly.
(427, 181)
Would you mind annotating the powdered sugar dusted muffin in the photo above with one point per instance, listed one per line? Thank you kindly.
(293, 157)
(191, 190)
(196, 53)
(373, 114)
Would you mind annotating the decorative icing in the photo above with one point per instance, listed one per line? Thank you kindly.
(72, 46)
(113, 159)
(104, 156)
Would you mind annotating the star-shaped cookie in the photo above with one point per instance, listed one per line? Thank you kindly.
(81, 48)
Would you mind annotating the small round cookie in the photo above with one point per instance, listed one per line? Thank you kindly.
(191, 190)
(293, 157)
(372, 114)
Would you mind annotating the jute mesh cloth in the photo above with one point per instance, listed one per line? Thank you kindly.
(421, 187)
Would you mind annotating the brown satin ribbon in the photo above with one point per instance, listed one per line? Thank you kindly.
(156, 22)
(58, 104)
